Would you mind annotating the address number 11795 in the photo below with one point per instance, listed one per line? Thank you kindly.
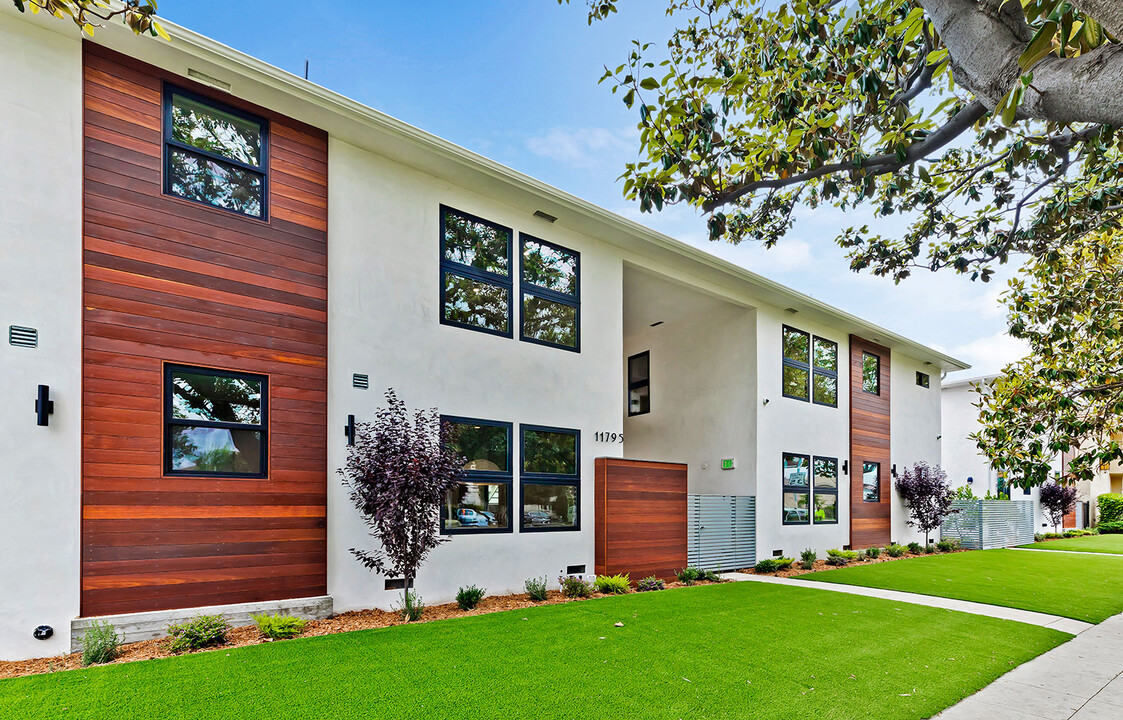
(608, 437)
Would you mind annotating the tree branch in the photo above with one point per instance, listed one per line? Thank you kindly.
(877, 164)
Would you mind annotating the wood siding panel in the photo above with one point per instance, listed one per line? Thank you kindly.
(870, 523)
(171, 281)
(640, 518)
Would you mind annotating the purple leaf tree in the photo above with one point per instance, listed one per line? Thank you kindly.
(398, 473)
(927, 495)
(1057, 500)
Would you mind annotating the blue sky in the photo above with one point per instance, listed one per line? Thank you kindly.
(516, 80)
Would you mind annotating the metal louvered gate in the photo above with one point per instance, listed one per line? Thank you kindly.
(721, 531)
(987, 524)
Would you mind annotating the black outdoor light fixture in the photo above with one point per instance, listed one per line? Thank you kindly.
(845, 468)
(349, 430)
(893, 472)
(44, 406)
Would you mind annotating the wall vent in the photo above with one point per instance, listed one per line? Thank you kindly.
(360, 381)
(575, 570)
(23, 336)
(208, 79)
(397, 584)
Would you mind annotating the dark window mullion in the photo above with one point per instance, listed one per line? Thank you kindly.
(217, 157)
(473, 273)
(215, 424)
(548, 294)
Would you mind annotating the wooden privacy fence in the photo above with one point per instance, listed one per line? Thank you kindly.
(640, 518)
(721, 531)
(988, 524)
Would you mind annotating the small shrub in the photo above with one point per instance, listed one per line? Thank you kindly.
(1110, 528)
(807, 559)
(573, 586)
(873, 553)
(784, 563)
(688, 575)
(711, 576)
(279, 627)
(1038, 537)
(100, 643)
(840, 557)
(536, 588)
(767, 565)
(469, 597)
(837, 560)
(1053, 536)
(915, 549)
(613, 584)
(202, 631)
(895, 550)
(861, 556)
(929, 549)
(1111, 507)
(650, 584)
(945, 546)
(1072, 533)
(411, 608)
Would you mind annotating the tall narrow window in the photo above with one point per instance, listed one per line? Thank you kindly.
(826, 490)
(214, 154)
(551, 281)
(871, 373)
(639, 384)
(215, 422)
(824, 381)
(797, 489)
(550, 479)
(475, 273)
(482, 501)
(871, 482)
(797, 363)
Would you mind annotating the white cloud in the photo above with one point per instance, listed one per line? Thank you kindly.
(988, 355)
(584, 147)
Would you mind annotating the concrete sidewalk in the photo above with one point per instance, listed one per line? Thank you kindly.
(1069, 552)
(1063, 624)
(1080, 680)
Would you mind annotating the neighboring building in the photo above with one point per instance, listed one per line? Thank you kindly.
(213, 264)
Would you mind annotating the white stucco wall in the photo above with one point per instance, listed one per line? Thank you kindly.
(384, 302)
(703, 398)
(41, 267)
(788, 425)
(914, 432)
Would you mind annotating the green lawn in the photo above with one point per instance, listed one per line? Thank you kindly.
(736, 650)
(1088, 543)
(1084, 587)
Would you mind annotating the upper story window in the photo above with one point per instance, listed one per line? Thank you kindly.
(482, 502)
(810, 367)
(639, 384)
(475, 273)
(215, 423)
(550, 288)
(551, 479)
(922, 379)
(871, 373)
(214, 154)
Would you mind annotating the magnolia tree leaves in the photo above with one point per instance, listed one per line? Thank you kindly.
(138, 15)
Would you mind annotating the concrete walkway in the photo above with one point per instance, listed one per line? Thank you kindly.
(1063, 624)
(1080, 680)
(1068, 552)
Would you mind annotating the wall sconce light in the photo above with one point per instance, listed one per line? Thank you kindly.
(44, 406)
(893, 472)
(845, 468)
(349, 430)
(970, 480)
(765, 401)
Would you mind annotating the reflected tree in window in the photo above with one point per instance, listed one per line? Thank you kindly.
(475, 303)
(476, 244)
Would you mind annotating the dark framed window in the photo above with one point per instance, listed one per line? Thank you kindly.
(481, 503)
(476, 281)
(550, 485)
(824, 380)
(922, 379)
(215, 423)
(215, 154)
(796, 489)
(639, 384)
(871, 482)
(551, 291)
(797, 363)
(871, 373)
(825, 486)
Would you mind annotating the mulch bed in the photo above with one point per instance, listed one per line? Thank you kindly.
(820, 565)
(343, 622)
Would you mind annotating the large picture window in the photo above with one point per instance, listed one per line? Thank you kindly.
(871, 482)
(482, 501)
(797, 489)
(825, 482)
(215, 422)
(639, 384)
(824, 381)
(214, 154)
(551, 283)
(475, 273)
(550, 478)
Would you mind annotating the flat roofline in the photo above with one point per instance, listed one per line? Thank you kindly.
(120, 38)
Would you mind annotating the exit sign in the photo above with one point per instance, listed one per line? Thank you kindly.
(728, 464)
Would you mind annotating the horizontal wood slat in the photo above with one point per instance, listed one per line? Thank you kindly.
(640, 518)
(171, 281)
(870, 523)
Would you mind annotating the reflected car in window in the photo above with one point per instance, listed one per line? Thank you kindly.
(470, 517)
